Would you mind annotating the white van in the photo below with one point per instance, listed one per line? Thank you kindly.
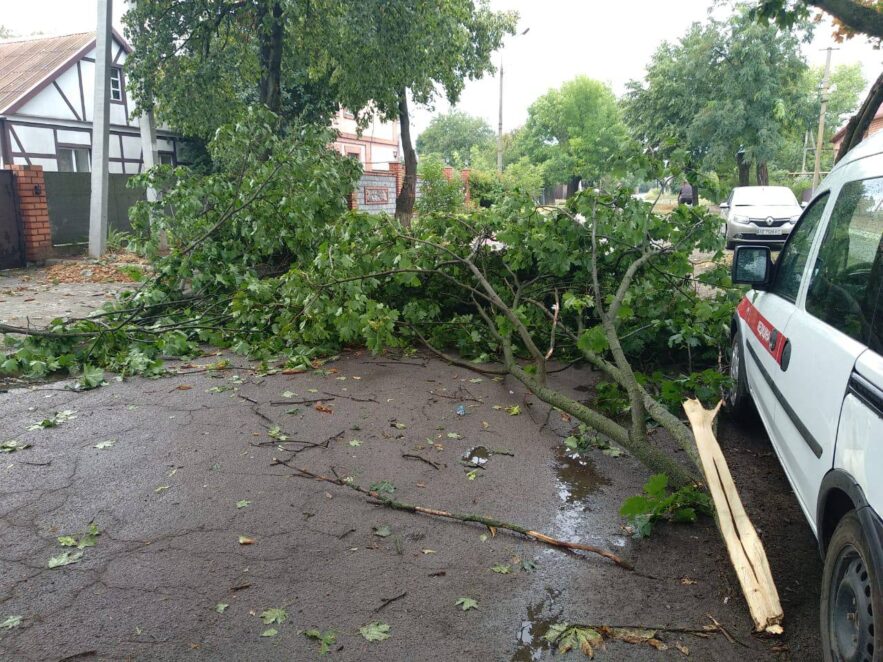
(808, 350)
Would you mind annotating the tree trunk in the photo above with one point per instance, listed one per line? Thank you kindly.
(408, 195)
(763, 174)
(744, 169)
(861, 121)
(271, 29)
(573, 185)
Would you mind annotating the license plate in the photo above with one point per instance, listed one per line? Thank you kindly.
(769, 231)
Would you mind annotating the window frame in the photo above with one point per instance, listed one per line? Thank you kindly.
(122, 86)
(823, 198)
(73, 149)
(866, 341)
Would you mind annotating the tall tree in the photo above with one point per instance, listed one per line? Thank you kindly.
(202, 62)
(574, 131)
(453, 135)
(384, 52)
(743, 111)
(5, 33)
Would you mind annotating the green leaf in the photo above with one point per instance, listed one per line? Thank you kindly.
(502, 568)
(656, 485)
(326, 639)
(92, 378)
(274, 615)
(555, 630)
(514, 410)
(466, 603)
(270, 632)
(454, 435)
(244, 503)
(276, 433)
(12, 446)
(593, 340)
(65, 558)
(67, 541)
(383, 486)
(221, 607)
(375, 631)
(382, 531)
(104, 445)
(11, 622)
(355, 443)
(634, 505)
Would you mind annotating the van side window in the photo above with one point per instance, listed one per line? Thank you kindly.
(846, 279)
(792, 259)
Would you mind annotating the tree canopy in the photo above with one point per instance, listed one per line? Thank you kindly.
(453, 135)
(740, 114)
(574, 131)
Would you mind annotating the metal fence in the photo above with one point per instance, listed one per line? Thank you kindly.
(67, 195)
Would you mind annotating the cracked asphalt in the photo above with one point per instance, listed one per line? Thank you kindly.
(188, 449)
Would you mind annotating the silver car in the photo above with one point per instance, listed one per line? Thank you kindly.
(760, 215)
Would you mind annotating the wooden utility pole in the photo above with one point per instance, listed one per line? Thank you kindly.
(500, 124)
(816, 173)
(100, 130)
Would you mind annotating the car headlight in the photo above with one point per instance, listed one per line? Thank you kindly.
(794, 219)
(740, 219)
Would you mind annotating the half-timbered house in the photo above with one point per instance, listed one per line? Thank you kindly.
(46, 101)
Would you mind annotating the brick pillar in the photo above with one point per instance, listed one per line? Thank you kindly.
(464, 175)
(398, 169)
(353, 201)
(30, 189)
(449, 173)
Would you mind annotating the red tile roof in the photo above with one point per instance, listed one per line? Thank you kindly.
(25, 65)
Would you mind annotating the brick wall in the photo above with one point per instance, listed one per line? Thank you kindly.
(30, 190)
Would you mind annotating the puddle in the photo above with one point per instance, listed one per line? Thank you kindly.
(577, 477)
(531, 645)
(477, 456)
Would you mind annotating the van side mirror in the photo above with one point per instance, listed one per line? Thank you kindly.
(803, 204)
(724, 205)
(752, 265)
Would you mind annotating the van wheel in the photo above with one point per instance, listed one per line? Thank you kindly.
(851, 606)
(738, 398)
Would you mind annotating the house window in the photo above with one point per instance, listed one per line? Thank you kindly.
(166, 158)
(116, 84)
(73, 159)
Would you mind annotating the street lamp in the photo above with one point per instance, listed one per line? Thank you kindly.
(500, 124)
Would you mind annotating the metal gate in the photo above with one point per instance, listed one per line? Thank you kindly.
(12, 250)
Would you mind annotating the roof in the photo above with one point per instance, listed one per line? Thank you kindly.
(27, 66)
(842, 130)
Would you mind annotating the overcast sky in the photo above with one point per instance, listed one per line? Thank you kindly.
(610, 41)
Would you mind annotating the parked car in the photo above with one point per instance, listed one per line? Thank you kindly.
(808, 351)
(760, 214)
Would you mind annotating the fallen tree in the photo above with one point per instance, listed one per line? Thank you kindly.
(264, 260)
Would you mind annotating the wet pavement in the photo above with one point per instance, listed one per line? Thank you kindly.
(29, 299)
(188, 483)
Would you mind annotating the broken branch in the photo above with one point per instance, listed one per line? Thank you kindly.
(469, 517)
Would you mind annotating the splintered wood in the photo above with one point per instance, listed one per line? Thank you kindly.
(743, 544)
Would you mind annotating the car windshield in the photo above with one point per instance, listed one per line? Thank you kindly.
(763, 196)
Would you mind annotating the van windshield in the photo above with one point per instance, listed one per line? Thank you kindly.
(763, 196)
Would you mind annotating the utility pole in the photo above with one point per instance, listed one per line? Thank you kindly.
(100, 130)
(500, 124)
(816, 173)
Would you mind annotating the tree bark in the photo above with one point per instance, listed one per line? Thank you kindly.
(763, 174)
(408, 195)
(860, 122)
(865, 18)
(744, 169)
(271, 28)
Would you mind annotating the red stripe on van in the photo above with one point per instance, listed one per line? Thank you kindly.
(768, 336)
